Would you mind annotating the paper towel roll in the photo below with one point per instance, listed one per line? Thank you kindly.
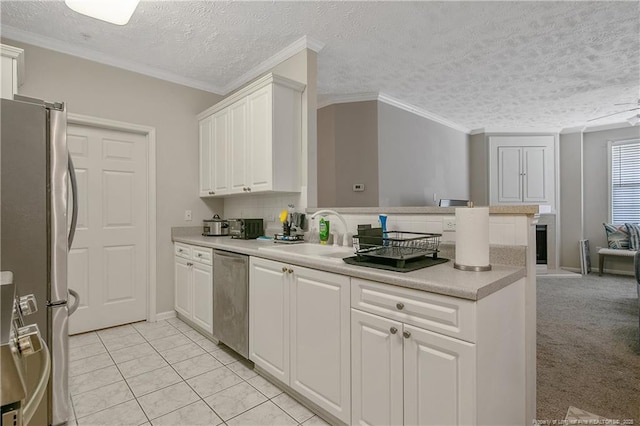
(472, 238)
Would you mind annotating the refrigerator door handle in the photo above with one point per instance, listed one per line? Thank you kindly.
(74, 199)
(76, 302)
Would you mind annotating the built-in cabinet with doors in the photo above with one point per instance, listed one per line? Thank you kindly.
(413, 357)
(299, 331)
(11, 71)
(251, 141)
(522, 169)
(377, 354)
(193, 285)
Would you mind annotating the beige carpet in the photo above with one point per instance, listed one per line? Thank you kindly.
(587, 350)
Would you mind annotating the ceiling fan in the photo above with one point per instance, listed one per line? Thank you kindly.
(633, 120)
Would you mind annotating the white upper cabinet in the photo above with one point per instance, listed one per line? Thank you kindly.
(238, 150)
(11, 71)
(257, 146)
(522, 170)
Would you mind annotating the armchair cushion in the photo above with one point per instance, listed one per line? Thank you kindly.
(617, 236)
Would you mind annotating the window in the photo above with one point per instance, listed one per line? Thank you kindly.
(624, 169)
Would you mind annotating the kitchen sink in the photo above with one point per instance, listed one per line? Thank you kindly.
(312, 250)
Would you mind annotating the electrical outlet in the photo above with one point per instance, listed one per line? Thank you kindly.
(187, 215)
(448, 224)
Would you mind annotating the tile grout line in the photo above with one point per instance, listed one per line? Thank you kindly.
(183, 380)
(125, 380)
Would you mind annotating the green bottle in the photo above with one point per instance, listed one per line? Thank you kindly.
(324, 230)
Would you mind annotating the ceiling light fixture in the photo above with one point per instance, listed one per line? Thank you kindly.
(114, 11)
(634, 120)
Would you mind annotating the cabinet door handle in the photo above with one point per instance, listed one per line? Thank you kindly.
(400, 306)
(211, 193)
(393, 330)
(199, 254)
(189, 264)
(284, 269)
(290, 271)
(248, 189)
(180, 250)
(406, 334)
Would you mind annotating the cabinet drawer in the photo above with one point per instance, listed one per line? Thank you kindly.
(202, 255)
(442, 314)
(182, 250)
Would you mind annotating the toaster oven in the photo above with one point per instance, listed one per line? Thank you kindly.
(246, 229)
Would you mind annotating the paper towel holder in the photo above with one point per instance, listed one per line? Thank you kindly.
(467, 267)
(472, 268)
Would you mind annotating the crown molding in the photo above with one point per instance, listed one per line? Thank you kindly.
(347, 98)
(110, 60)
(382, 97)
(297, 46)
(576, 129)
(520, 131)
(598, 128)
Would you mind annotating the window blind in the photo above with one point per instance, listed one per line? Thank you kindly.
(625, 182)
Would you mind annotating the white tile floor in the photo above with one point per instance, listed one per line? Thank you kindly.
(166, 373)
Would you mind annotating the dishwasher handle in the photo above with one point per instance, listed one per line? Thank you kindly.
(230, 256)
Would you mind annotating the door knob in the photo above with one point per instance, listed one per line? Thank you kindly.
(393, 330)
(406, 334)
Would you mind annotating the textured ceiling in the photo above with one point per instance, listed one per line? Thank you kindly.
(498, 65)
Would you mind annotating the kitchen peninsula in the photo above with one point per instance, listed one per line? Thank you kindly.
(433, 346)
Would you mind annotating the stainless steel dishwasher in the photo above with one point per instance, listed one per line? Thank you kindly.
(231, 300)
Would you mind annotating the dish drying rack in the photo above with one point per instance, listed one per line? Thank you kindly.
(396, 246)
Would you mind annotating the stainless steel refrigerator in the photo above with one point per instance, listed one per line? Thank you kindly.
(36, 227)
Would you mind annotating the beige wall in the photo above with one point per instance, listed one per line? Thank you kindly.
(348, 154)
(571, 199)
(97, 90)
(478, 169)
(327, 157)
(596, 202)
(418, 157)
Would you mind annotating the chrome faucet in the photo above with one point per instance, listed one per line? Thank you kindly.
(327, 212)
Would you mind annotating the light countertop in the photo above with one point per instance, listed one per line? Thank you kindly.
(441, 279)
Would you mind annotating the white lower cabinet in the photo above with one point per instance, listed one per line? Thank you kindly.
(269, 317)
(406, 375)
(376, 370)
(300, 331)
(439, 379)
(193, 284)
(420, 358)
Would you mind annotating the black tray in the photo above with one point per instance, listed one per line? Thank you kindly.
(409, 265)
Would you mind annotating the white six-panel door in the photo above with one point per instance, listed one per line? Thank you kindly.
(108, 258)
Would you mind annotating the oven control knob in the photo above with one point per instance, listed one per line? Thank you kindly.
(29, 341)
(28, 304)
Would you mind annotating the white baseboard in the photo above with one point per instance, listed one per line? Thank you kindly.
(165, 315)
